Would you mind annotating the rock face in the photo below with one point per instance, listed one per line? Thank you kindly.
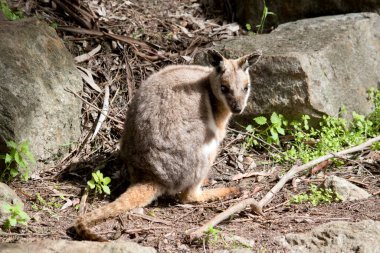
(250, 11)
(35, 70)
(347, 190)
(313, 66)
(51, 246)
(338, 236)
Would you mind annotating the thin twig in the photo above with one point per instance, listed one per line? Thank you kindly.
(95, 107)
(103, 114)
(149, 218)
(256, 138)
(257, 206)
(83, 201)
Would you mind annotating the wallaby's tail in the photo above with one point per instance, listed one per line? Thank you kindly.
(137, 195)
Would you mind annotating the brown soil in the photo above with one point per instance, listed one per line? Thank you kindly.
(172, 29)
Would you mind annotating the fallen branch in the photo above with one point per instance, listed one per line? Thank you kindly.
(258, 206)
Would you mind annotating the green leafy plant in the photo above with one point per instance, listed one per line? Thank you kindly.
(8, 13)
(374, 96)
(316, 196)
(264, 16)
(16, 161)
(212, 234)
(54, 25)
(248, 27)
(40, 199)
(99, 183)
(307, 143)
(266, 130)
(260, 28)
(17, 216)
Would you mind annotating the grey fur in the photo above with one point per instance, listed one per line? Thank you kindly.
(168, 123)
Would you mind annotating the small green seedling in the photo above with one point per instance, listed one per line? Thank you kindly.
(317, 196)
(8, 13)
(16, 161)
(212, 234)
(269, 131)
(99, 183)
(54, 25)
(264, 15)
(17, 216)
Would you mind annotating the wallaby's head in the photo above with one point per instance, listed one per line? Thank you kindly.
(230, 79)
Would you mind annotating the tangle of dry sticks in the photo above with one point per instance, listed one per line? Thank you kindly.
(258, 206)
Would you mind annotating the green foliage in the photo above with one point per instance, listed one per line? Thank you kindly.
(266, 130)
(99, 183)
(40, 199)
(316, 196)
(375, 146)
(260, 27)
(17, 216)
(8, 13)
(374, 96)
(212, 234)
(264, 16)
(48, 205)
(16, 161)
(248, 27)
(307, 143)
(54, 25)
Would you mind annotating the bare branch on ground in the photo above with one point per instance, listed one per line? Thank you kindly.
(258, 206)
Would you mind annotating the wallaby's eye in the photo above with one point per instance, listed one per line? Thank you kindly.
(245, 89)
(224, 89)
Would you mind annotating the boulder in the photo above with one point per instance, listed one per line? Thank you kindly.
(53, 246)
(336, 236)
(345, 189)
(35, 71)
(313, 66)
(250, 11)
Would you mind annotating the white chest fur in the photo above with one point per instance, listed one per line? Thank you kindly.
(210, 147)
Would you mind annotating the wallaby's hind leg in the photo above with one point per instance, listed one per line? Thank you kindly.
(196, 194)
(137, 195)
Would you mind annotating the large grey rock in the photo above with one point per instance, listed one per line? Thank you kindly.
(250, 11)
(337, 236)
(7, 195)
(345, 189)
(238, 250)
(58, 246)
(313, 66)
(35, 70)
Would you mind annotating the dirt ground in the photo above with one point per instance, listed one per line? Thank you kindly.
(172, 32)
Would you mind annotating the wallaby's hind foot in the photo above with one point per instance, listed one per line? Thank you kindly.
(196, 194)
(137, 195)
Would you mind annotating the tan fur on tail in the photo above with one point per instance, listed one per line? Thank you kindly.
(137, 195)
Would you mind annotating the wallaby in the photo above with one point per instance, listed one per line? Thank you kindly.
(173, 128)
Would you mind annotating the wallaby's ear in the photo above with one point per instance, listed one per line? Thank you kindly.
(248, 60)
(216, 60)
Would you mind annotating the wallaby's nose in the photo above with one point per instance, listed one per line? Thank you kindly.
(237, 109)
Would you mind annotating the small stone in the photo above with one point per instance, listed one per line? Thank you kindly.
(138, 210)
(345, 189)
(241, 240)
